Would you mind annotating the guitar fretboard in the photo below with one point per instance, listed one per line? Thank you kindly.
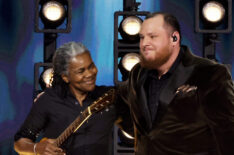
(97, 105)
(73, 127)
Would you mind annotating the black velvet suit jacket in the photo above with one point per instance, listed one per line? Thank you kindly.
(200, 122)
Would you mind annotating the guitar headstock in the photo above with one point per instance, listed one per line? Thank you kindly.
(103, 101)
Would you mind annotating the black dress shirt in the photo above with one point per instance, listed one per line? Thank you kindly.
(154, 86)
(52, 114)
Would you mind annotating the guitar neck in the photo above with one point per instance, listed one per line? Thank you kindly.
(97, 106)
(73, 126)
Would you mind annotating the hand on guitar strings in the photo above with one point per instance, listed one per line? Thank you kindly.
(48, 147)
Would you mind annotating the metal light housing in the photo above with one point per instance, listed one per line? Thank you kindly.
(213, 16)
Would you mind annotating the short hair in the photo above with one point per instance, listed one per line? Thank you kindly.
(61, 60)
(169, 20)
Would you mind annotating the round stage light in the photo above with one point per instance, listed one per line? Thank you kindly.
(130, 60)
(53, 11)
(213, 11)
(131, 25)
(47, 77)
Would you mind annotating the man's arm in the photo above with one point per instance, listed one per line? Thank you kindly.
(219, 110)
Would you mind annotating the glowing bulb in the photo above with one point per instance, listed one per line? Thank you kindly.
(131, 25)
(48, 77)
(53, 11)
(213, 11)
(130, 60)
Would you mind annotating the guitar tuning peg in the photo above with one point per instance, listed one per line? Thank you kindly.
(106, 94)
(107, 101)
(100, 98)
(94, 102)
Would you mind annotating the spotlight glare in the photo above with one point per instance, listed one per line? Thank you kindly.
(130, 60)
(53, 11)
(48, 77)
(213, 11)
(127, 135)
(131, 25)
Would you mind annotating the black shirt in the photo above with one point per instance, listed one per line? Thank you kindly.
(52, 114)
(154, 86)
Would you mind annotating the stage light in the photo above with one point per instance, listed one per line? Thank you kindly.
(213, 11)
(47, 77)
(130, 60)
(213, 16)
(130, 27)
(127, 25)
(53, 11)
(43, 76)
(53, 16)
(125, 139)
(127, 135)
(124, 143)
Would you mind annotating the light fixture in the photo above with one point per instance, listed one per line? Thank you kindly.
(130, 60)
(43, 76)
(47, 77)
(53, 11)
(213, 11)
(127, 61)
(130, 27)
(213, 16)
(127, 135)
(127, 25)
(125, 139)
(53, 16)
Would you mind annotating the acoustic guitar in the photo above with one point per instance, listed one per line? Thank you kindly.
(98, 105)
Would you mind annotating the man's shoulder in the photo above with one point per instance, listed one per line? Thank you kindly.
(192, 59)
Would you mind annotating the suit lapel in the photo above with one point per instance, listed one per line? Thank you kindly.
(179, 77)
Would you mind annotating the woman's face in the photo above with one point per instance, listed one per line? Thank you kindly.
(82, 73)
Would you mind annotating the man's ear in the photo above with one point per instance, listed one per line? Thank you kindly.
(175, 37)
(65, 78)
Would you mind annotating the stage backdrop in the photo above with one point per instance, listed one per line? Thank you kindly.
(92, 24)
